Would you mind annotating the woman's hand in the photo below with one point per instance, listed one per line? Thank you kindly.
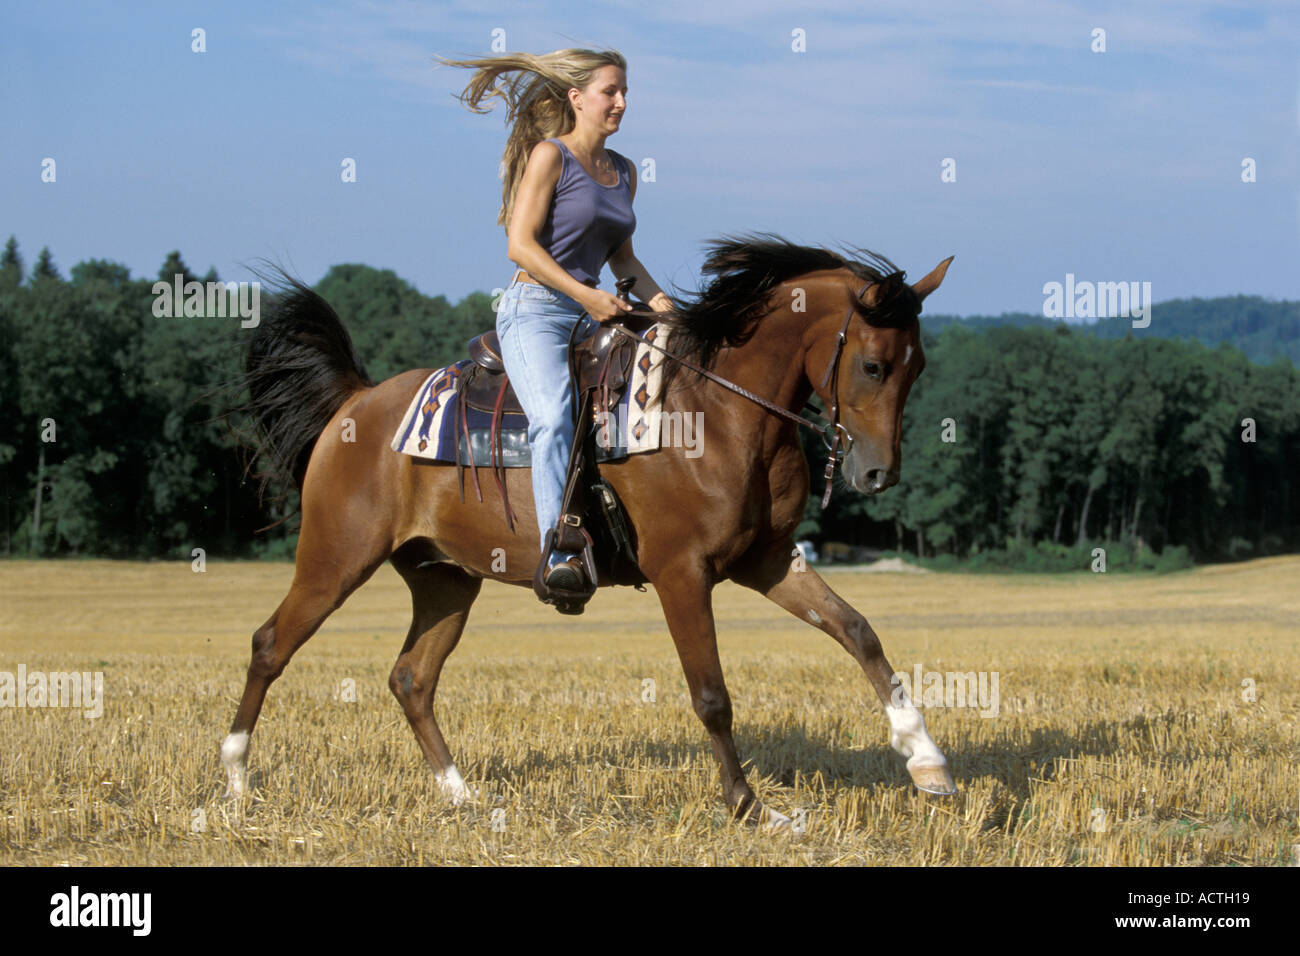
(661, 303)
(604, 306)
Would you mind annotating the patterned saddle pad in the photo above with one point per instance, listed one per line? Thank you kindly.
(430, 429)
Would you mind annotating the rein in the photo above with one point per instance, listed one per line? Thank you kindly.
(834, 429)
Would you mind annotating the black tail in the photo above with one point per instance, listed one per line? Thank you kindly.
(299, 369)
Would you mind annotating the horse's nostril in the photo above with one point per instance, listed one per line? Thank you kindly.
(878, 479)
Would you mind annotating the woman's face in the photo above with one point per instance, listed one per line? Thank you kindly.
(604, 101)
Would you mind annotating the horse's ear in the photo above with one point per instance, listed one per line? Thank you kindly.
(931, 282)
(884, 291)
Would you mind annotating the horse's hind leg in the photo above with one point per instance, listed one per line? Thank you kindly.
(441, 595)
(805, 595)
(320, 585)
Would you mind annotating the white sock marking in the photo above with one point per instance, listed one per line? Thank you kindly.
(234, 756)
(453, 785)
(909, 737)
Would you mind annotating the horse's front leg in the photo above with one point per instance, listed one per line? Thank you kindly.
(687, 602)
(805, 595)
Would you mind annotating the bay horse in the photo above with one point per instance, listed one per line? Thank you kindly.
(773, 320)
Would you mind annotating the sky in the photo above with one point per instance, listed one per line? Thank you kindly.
(827, 122)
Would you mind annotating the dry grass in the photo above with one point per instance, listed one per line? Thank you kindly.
(1118, 693)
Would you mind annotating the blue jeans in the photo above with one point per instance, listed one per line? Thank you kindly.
(533, 324)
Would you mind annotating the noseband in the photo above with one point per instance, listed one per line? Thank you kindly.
(830, 434)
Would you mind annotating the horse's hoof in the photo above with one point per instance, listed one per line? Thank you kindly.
(234, 757)
(463, 796)
(236, 784)
(770, 821)
(453, 787)
(934, 780)
(765, 819)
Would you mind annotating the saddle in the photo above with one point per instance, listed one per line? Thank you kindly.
(599, 368)
(603, 361)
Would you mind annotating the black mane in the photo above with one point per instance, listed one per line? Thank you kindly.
(746, 269)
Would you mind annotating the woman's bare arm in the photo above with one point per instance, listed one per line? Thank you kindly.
(624, 263)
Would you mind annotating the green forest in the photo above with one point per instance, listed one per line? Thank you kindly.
(1264, 330)
(1026, 442)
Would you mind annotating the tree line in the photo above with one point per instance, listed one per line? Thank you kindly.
(112, 441)
(1021, 437)
(1261, 328)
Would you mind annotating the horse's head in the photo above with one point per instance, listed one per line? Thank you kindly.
(880, 359)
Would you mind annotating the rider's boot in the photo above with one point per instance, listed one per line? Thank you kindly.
(564, 571)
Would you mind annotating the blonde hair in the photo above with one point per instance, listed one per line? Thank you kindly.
(537, 101)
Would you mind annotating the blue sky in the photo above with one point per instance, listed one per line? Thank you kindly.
(1115, 166)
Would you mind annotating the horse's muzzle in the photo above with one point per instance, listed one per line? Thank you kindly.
(877, 480)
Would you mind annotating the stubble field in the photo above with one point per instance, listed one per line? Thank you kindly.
(1140, 720)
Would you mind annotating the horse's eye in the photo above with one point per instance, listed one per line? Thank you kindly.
(872, 369)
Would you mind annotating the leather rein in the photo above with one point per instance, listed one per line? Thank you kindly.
(830, 434)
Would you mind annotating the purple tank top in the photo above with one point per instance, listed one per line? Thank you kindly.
(587, 221)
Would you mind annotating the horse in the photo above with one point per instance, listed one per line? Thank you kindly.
(774, 322)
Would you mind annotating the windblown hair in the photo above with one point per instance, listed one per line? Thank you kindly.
(299, 369)
(747, 268)
(535, 88)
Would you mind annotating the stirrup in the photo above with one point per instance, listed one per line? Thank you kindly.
(565, 600)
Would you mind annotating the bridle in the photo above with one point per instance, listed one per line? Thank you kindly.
(833, 376)
(829, 433)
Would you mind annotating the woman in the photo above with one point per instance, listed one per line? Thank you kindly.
(567, 208)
